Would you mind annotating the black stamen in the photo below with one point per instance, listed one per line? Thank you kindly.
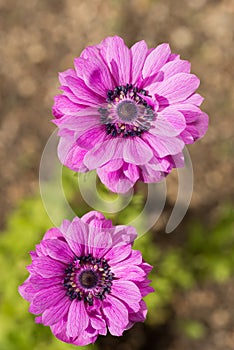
(88, 277)
(127, 114)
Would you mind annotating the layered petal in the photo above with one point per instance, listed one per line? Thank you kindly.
(163, 145)
(46, 298)
(77, 320)
(136, 151)
(155, 60)
(85, 279)
(103, 153)
(127, 292)
(116, 314)
(127, 112)
(116, 180)
(71, 155)
(118, 58)
(138, 54)
(176, 88)
(55, 313)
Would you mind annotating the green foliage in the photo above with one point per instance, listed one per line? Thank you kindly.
(193, 329)
(212, 249)
(207, 254)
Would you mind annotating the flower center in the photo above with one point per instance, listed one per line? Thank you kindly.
(87, 278)
(127, 113)
(127, 110)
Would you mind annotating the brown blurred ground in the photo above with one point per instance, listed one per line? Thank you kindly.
(38, 38)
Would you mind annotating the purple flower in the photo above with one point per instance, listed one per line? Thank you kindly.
(127, 112)
(85, 278)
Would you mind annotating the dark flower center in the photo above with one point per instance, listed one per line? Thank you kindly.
(127, 110)
(87, 278)
(127, 113)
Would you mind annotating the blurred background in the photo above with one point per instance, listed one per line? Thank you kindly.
(194, 266)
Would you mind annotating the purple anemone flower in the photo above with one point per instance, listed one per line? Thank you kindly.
(85, 278)
(127, 112)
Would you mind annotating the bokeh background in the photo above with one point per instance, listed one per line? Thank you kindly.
(194, 266)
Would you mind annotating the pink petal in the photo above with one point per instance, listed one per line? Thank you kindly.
(128, 292)
(140, 316)
(169, 122)
(173, 57)
(97, 76)
(102, 153)
(197, 129)
(79, 65)
(85, 339)
(178, 159)
(123, 270)
(76, 236)
(92, 137)
(64, 226)
(77, 320)
(117, 254)
(58, 250)
(99, 243)
(135, 257)
(59, 330)
(116, 314)
(95, 218)
(150, 174)
(132, 172)
(65, 106)
(136, 151)
(118, 56)
(122, 234)
(27, 290)
(72, 97)
(38, 320)
(52, 233)
(47, 267)
(71, 155)
(33, 254)
(56, 312)
(155, 60)
(146, 267)
(146, 290)
(138, 53)
(97, 321)
(41, 249)
(113, 165)
(176, 88)
(190, 112)
(82, 92)
(84, 120)
(164, 146)
(174, 67)
(115, 181)
(39, 282)
(195, 99)
(46, 298)
(67, 73)
(202, 124)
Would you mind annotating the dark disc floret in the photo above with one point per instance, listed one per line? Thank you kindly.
(126, 114)
(87, 278)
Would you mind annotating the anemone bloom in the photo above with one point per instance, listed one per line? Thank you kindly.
(85, 278)
(127, 112)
